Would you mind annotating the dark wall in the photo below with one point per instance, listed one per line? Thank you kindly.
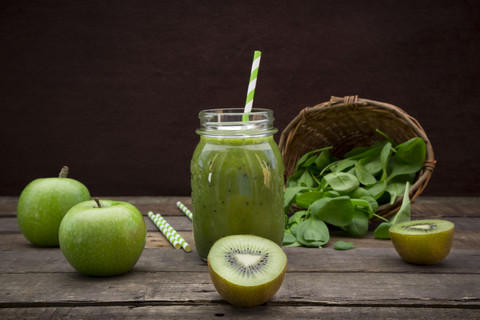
(113, 88)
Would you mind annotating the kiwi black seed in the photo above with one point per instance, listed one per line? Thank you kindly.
(246, 270)
(423, 241)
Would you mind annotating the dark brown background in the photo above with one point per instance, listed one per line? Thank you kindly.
(113, 88)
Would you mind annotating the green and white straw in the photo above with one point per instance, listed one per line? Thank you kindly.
(169, 232)
(252, 84)
(185, 210)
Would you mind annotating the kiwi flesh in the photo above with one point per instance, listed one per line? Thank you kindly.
(246, 270)
(423, 241)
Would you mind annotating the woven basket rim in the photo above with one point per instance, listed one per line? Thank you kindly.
(355, 103)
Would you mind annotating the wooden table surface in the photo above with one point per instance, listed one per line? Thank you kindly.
(368, 282)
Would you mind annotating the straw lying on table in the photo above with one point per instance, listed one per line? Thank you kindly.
(175, 239)
(185, 210)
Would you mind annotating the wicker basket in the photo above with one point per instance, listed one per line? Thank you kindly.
(349, 122)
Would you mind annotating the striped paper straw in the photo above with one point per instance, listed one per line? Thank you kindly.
(252, 84)
(175, 239)
(185, 210)
(176, 236)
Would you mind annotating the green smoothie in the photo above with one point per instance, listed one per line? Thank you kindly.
(237, 188)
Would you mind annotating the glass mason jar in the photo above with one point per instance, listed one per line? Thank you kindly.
(236, 177)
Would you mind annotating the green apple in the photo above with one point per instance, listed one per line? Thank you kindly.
(103, 237)
(42, 205)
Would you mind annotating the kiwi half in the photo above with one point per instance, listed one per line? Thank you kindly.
(246, 270)
(423, 241)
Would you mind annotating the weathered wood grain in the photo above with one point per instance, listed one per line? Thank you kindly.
(182, 223)
(423, 207)
(155, 239)
(305, 288)
(368, 282)
(221, 310)
(165, 205)
(51, 260)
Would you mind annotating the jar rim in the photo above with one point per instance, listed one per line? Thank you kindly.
(235, 122)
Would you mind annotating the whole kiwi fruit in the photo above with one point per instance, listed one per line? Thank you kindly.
(246, 270)
(423, 241)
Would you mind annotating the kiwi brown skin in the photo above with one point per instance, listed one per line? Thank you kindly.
(423, 247)
(246, 296)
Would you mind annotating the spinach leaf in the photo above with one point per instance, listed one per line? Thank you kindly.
(306, 179)
(372, 164)
(308, 158)
(323, 160)
(342, 245)
(289, 240)
(313, 233)
(365, 177)
(305, 199)
(289, 196)
(292, 181)
(396, 186)
(409, 157)
(359, 224)
(342, 182)
(365, 206)
(403, 214)
(381, 232)
(339, 165)
(336, 211)
(377, 189)
(297, 217)
(384, 159)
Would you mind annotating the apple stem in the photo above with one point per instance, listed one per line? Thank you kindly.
(98, 202)
(64, 172)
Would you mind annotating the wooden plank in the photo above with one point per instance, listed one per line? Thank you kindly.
(219, 310)
(165, 205)
(155, 239)
(51, 260)
(423, 207)
(182, 223)
(179, 223)
(299, 288)
(16, 241)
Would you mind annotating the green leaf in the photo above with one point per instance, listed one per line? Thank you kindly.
(336, 211)
(306, 179)
(289, 196)
(359, 224)
(384, 158)
(342, 245)
(313, 233)
(305, 199)
(365, 206)
(372, 201)
(359, 192)
(290, 240)
(396, 186)
(365, 177)
(377, 189)
(342, 182)
(307, 157)
(323, 160)
(381, 232)
(297, 217)
(403, 214)
(341, 165)
(409, 157)
(292, 181)
(372, 164)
